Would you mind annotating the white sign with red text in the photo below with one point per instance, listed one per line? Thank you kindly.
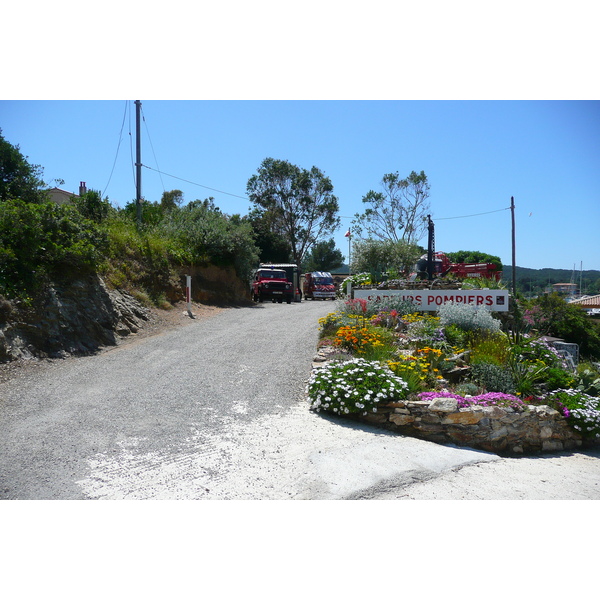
(493, 300)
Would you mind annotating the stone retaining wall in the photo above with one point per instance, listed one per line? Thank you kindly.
(535, 429)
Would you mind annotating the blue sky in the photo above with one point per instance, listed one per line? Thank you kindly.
(476, 154)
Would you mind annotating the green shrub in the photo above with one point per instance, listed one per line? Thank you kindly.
(556, 378)
(490, 348)
(42, 241)
(467, 389)
(455, 336)
(588, 379)
(493, 378)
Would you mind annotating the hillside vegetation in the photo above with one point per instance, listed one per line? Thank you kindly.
(43, 242)
(537, 281)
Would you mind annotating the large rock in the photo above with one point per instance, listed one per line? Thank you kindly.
(78, 317)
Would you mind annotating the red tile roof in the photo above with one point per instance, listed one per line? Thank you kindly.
(589, 302)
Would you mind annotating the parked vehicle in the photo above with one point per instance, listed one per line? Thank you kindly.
(442, 266)
(318, 284)
(272, 284)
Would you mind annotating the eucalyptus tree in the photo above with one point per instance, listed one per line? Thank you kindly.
(300, 202)
(399, 212)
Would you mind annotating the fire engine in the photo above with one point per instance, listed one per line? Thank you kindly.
(442, 267)
(318, 284)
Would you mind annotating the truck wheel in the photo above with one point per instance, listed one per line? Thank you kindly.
(289, 301)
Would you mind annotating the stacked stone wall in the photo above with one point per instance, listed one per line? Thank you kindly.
(535, 429)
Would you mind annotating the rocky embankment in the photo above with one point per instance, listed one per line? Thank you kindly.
(78, 317)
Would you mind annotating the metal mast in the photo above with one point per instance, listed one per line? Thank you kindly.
(138, 163)
(514, 261)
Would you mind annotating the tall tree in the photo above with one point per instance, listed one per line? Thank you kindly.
(399, 213)
(300, 201)
(18, 178)
(323, 256)
(272, 245)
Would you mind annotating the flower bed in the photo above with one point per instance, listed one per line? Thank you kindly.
(402, 376)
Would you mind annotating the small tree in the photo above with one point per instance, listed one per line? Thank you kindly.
(399, 213)
(375, 256)
(92, 207)
(474, 256)
(171, 200)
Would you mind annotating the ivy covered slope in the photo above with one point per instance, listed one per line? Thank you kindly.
(386, 353)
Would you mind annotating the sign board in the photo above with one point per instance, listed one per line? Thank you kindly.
(493, 300)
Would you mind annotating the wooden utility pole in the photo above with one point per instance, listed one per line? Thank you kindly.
(514, 264)
(138, 163)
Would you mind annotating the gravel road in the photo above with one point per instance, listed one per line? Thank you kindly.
(216, 409)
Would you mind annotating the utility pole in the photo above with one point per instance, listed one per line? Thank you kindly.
(430, 248)
(138, 164)
(514, 264)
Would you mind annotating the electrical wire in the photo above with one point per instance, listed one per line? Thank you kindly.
(117, 153)
(475, 215)
(198, 184)
(131, 153)
(152, 146)
(461, 217)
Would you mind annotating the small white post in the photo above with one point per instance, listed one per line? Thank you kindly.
(188, 294)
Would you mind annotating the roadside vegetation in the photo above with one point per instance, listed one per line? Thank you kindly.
(43, 242)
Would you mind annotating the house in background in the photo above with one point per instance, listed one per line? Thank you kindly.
(591, 304)
(59, 196)
(565, 288)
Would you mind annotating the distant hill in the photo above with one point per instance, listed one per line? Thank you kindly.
(537, 280)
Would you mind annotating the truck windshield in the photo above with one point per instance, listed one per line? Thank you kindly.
(272, 274)
(324, 280)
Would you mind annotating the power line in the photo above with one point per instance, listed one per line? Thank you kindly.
(461, 217)
(475, 215)
(194, 183)
(131, 154)
(117, 153)
(152, 146)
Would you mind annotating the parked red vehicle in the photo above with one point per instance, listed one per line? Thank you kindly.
(318, 284)
(272, 284)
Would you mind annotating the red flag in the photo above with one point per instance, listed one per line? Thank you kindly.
(347, 233)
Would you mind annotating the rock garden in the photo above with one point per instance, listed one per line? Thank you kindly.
(459, 376)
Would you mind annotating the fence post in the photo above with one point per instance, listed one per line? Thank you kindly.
(188, 294)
